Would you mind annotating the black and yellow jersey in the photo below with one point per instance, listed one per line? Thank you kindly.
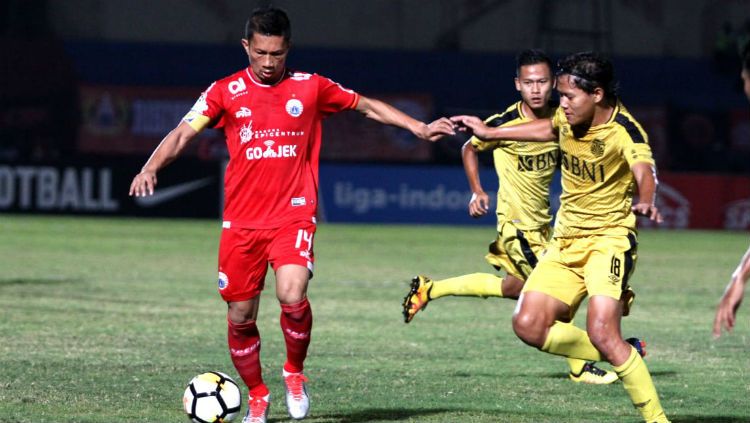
(524, 170)
(597, 181)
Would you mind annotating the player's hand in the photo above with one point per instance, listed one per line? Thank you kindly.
(471, 124)
(437, 129)
(727, 309)
(143, 184)
(479, 204)
(648, 210)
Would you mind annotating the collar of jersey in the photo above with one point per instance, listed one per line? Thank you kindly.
(611, 119)
(252, 78)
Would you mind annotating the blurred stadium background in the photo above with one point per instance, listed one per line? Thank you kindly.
(89, 87)
(105, 319)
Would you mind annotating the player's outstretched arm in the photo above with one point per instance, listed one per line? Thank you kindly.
(537, 130)
(480, 201)
(645, 178)
(385, 113)
(726, 312)
(170, 147)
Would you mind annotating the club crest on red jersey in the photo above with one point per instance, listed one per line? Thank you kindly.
(294, 107)
(223, 280)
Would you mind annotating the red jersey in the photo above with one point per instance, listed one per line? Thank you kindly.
(273, 134)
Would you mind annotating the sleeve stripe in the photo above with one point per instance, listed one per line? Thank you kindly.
(504, 118)
(633, 131)
(355, 102)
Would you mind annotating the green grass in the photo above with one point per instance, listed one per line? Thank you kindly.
(105, 320)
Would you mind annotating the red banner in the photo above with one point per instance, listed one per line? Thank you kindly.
(700, 201)
(133, 120)
(348, 136)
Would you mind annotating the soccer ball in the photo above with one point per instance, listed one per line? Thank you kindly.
(212, 397)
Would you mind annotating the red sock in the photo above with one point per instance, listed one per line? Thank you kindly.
(244, 348)
(296, 323)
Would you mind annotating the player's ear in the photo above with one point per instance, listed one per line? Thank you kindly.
(598, 94)
(518, 84)
(245, 45)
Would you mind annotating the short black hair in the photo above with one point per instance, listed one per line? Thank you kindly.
(269, 21)
(589, 70)
(531, 57)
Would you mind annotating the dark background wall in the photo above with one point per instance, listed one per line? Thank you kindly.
(89, 80)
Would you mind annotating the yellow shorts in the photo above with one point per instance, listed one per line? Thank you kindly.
(593, 265)
(516, 251)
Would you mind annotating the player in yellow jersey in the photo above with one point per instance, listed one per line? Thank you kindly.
(605, 157)
(525, 171)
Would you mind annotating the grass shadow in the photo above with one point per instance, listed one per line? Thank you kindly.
(35, 281)
(563, 375)
(372, 415)
(708, 419)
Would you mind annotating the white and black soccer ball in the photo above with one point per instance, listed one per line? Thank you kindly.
(212, 397)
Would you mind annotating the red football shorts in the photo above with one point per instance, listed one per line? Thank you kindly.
(244, 256)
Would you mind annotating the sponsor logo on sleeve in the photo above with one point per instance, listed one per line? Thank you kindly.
(200, 105)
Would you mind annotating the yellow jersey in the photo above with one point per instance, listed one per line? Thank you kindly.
(524, 171)
(597, 183)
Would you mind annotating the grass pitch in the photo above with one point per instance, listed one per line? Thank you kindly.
(106, 320)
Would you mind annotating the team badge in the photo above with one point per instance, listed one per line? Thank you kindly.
(294, 107)
(223, 280)
(597, 147)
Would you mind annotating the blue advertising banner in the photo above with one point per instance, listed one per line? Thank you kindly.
(404, 194)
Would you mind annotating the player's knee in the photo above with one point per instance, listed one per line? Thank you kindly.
(529, 328)
(603, 340)
(291, 284)
(291, 294)
(240, 312)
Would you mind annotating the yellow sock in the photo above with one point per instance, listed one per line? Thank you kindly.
(567, 340)
(637, 382)
(473, 285)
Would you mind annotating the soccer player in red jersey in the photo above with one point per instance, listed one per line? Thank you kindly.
(271, 117)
